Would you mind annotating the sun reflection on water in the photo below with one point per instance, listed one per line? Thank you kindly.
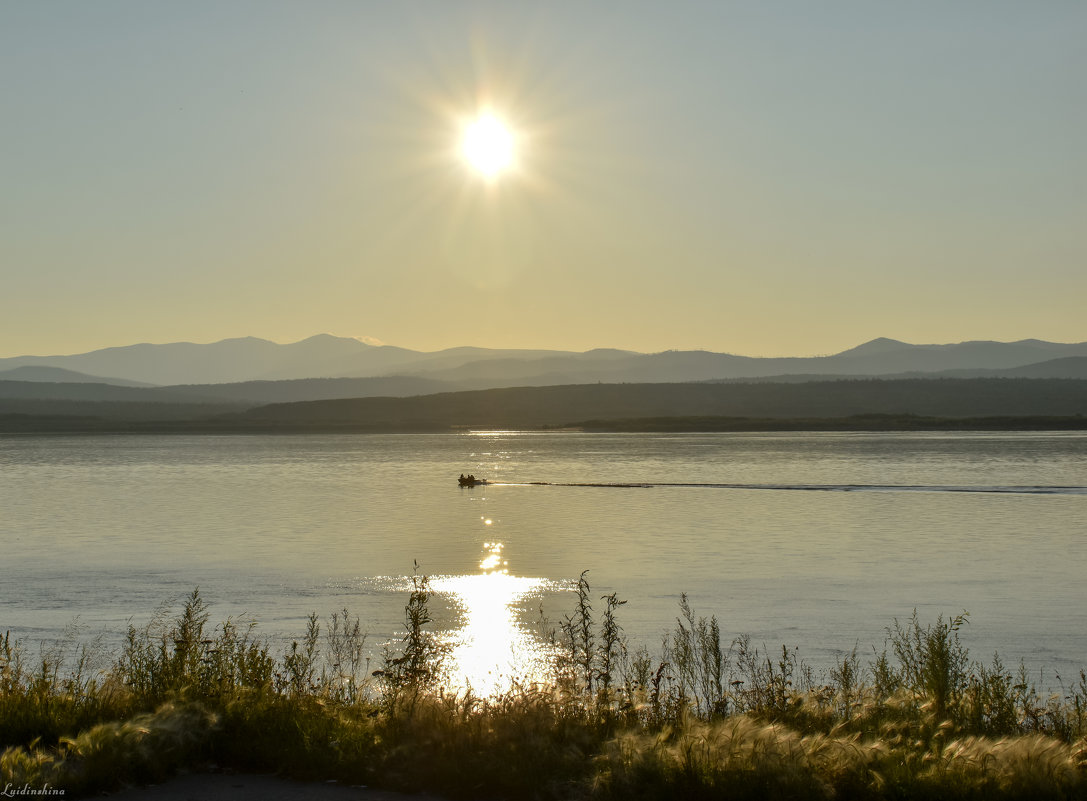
(493, 649)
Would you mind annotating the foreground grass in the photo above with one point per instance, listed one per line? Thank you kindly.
(704, 718)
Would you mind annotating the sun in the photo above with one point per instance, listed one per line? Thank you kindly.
(487, 145)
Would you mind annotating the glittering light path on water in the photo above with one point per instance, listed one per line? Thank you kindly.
(491, 651)
(994, 489)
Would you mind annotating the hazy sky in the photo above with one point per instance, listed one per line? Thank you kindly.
(764, 178)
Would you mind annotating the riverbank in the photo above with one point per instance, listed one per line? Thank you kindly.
(37, 424)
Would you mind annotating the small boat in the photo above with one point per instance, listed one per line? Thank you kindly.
(471, 481)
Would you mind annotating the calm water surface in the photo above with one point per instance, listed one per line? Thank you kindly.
(814, 541)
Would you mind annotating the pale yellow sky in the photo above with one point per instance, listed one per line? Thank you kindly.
(764, 179)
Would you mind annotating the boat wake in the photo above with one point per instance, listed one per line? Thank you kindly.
(998, 489)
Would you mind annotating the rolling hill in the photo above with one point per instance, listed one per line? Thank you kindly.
(558, 406)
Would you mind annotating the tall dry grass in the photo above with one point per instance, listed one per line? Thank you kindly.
(704, 717)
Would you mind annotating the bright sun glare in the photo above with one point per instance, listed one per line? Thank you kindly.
(487, 145)
(492, 649)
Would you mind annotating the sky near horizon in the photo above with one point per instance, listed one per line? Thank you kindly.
(763, 178)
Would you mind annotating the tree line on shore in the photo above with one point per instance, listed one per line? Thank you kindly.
(992, 404)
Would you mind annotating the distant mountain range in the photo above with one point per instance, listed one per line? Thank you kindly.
(331, 383)
(251, 370)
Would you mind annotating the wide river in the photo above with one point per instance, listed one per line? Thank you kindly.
(812, 541)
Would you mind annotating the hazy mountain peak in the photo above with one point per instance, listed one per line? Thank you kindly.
(608, 353)
(331, 338)
(874, 346)
(37, 373)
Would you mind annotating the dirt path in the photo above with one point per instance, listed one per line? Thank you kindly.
(255, 787)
